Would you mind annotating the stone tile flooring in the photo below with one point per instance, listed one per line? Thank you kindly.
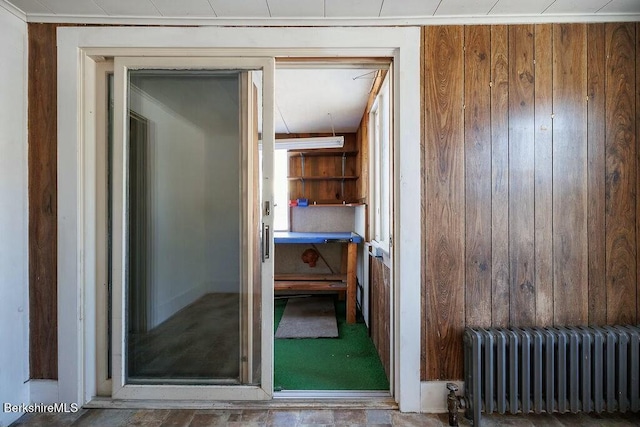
(293, 418)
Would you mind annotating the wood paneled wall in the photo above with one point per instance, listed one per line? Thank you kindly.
(531, 155)
(43, 246)
(380, 325)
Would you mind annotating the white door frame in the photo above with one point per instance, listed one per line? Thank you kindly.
(77, 48)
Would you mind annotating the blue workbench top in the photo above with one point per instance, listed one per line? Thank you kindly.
(316, 237)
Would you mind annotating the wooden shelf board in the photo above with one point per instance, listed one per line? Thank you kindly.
(329, 205)
(310, 277)
(301, 285)
(322, 178)
(324, 153)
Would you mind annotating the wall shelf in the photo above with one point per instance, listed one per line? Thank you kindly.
(322, 178)
(329, 175)
(325, 153)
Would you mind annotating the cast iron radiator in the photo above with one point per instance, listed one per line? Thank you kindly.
(559, 369)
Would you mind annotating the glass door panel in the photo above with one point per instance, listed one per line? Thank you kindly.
(189, 266)
(184, 240)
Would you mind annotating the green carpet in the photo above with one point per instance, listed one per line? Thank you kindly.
(349, 362)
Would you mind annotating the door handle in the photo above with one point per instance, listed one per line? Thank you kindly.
(265, 242)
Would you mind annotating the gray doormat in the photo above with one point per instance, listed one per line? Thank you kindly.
(313, 317)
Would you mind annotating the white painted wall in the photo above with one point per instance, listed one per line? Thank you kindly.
(194, 135)
(14, 278)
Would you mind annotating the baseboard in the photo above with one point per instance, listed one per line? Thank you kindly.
(44, 391)
(433, 395)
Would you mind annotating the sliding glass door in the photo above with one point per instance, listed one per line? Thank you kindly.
(191, 267)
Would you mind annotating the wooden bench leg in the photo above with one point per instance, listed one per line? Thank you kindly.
(351, 282)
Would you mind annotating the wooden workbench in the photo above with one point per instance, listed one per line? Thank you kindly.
(323, 282)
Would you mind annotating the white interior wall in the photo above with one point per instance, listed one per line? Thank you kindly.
(14, 278)
(193, 188)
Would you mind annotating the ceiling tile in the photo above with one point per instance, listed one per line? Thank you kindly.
(407, 8)
(465, 7)
(30, 6)
(184, 7)
(622, 6)
(128, 7)
(520, 7)
(352, 8)
(296, 8)
(72, 7)
(576, 6)
(240, 9)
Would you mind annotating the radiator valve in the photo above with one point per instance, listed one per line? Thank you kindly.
(453, 404)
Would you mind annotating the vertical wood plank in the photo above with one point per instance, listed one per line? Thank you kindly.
(521, 175)
(500, 292)
(42, 133)
(381, 302)
(477, 136)
(596, 174)
(621, 170)
(570, 174)
(637, 173)
(423, 208)
(544, 174)
(444, 77)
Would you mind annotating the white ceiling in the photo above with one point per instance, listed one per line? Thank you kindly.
(310, 100)
(316, 10)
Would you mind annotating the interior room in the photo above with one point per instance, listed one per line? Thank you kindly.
(321, 191)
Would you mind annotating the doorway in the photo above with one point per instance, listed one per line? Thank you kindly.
(80, 49)
(330, 306)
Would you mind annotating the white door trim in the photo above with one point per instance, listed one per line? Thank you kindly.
(76, 171)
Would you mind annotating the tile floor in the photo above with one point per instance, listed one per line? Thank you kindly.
(293, 418)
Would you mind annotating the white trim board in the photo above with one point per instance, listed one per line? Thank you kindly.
(433, 396)
(336, 22)
(18, 13)
(44, 391)
(76, 174)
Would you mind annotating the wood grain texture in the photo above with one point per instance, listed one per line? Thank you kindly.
(500, 176)
(381, 309)
(637, 172)
(444, 287)
(42, 134)
(621, 170)
(521, 175)
(362, 159)
(477, 144)
(424, 345)
(319, 165)
(596, 174)
(565, 214)
(570, 254)
(543, 215)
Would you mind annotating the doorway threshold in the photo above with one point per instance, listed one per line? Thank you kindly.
(345, 400)
(348, 399)
(330, 394)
